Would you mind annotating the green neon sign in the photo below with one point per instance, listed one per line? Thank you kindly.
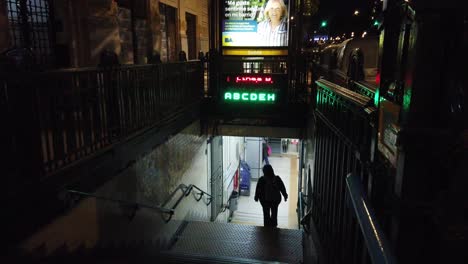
(260, 97)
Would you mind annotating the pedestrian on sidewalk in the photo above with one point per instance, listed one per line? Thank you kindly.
(268, 191)
(284, 144)
(266, 151)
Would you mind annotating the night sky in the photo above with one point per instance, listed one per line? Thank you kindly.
(340, 18)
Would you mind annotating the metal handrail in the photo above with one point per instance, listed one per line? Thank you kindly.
(300, 209)
(121, 66)
(162, 209)
(354, 97)
(186, 190)
(376, 241)
(303, 218)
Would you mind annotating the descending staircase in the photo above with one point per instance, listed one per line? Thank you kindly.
(239, 241)
(192, 242)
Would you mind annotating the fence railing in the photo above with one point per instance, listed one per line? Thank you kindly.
(347, 113)
(375, 240)
(303, 217)
(74, 113)
(363, 88)
(344, 138)
(164, 209)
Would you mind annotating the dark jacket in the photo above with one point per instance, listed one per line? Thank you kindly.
(278, 189)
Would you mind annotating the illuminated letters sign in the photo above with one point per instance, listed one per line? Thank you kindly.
(251, 79)
(252, 88)
(244, 96)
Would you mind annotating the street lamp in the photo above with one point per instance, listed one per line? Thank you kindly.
(356, 12)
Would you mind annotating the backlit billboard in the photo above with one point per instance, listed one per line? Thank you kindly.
(255, 23)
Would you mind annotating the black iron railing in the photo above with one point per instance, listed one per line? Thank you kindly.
(347, 113)
(344, 142)
(363, 88)
(77, 112)
(164, 210)
(303, 217)
(184, 192)
(374, 237)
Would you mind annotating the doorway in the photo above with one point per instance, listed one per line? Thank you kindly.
(168, 32)
(285, 163)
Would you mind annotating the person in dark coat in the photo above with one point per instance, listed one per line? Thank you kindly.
(268, 191)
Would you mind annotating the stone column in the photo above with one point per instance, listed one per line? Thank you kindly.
(154, 28)
(203, 28)
(103, 25)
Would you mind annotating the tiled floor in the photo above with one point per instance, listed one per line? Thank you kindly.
(249, 212)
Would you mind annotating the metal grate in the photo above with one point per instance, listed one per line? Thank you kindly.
(240, 241)
(30, 27)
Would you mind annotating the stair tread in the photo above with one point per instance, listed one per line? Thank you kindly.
(240, 241)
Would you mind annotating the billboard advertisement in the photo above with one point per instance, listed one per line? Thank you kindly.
(255, 23)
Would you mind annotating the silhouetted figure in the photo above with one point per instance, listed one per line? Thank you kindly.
(285, 144)
(201, 56)
(154, 58)
(109, 58)
(268, 191)
(356, 66)
(182, 56)
(265, 151)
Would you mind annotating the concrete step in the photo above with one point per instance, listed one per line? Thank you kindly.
(240, 241)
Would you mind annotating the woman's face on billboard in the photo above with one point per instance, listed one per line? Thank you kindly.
(275, 12)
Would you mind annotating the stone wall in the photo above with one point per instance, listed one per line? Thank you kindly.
(125, 34)
(203, 28)
(89, 27)
(103, 25)
(200, 10)
(154, 176)
(181, 159)
(154, 39)
(141, 28)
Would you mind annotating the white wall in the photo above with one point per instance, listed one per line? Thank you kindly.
(233, 149)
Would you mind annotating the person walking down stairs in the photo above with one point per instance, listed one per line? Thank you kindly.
(268, 191)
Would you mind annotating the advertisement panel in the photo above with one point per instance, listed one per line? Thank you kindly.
(255, 23)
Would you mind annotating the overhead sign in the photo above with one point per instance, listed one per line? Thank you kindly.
(255, 23)
(255, 52)
(250, 79)
(252, 88)
(243, 96)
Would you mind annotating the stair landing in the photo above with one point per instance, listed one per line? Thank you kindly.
(239, 241)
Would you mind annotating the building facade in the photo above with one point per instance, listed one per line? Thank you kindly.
(64, 34)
